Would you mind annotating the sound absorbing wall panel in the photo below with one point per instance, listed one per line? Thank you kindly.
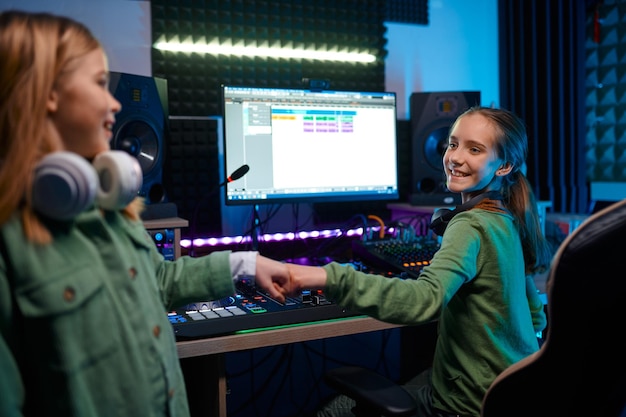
(192, 172)
(194, 79)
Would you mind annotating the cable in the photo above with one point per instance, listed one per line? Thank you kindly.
(381, 233)
(322, 249)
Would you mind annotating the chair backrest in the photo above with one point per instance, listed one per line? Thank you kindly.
(580, 369)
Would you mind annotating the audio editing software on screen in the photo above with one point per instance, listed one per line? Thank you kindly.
(304, 145)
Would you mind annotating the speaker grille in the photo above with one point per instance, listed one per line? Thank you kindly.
(141, 126)
(432, 114)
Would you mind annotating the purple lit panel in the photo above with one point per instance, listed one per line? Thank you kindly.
(271, 237)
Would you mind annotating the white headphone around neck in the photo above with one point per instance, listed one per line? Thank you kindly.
(65, 184)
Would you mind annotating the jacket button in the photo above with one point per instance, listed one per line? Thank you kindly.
(132, 272)
(171, 393)
(69, 294)
(156, 331)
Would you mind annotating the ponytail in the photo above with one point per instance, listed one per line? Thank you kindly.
(520, 200)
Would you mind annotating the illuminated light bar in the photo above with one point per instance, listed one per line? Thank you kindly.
(274, 237)
(267, 52)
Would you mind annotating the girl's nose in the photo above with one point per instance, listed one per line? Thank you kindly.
(452, 158)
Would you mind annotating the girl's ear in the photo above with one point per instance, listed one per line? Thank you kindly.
(53, 101)
(504, 169)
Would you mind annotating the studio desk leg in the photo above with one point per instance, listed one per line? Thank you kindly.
(205, 378)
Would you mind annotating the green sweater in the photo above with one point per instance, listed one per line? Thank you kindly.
(475, 287)
(83, 324)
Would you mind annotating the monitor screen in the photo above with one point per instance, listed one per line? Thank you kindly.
(309, 146)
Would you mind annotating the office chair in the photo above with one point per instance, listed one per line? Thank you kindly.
(580, 369)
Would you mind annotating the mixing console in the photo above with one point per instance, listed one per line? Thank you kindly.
(251, 309)
(406, 258)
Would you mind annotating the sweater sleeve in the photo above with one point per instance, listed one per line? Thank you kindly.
(409, 301)
(393, 300)
(536, 305)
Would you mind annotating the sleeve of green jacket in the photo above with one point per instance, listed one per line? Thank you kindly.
(189, 279)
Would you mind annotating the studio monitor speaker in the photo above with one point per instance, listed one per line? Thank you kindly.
(432, 114)
(141, 126)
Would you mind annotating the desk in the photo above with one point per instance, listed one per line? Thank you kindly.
(212, 350)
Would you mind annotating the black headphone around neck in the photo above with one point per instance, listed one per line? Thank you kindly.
(441, 217)
(65, 183)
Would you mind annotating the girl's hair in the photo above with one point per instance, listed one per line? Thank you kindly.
(35, 50)
(512, 147)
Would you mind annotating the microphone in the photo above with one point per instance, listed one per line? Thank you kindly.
(236, 174)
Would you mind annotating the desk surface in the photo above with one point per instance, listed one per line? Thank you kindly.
(280, 336)
(164, 223)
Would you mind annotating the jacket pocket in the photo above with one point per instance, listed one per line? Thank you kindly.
(67, 319)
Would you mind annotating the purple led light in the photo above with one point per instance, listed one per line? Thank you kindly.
(276, 237)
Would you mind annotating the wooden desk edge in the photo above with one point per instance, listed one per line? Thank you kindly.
(272, 337)
(165, 223)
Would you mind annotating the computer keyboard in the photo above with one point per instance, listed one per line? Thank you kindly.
(405, 258)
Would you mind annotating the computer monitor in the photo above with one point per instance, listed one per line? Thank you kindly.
(311, 146)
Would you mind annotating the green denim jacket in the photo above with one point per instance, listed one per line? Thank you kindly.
(83, 324)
